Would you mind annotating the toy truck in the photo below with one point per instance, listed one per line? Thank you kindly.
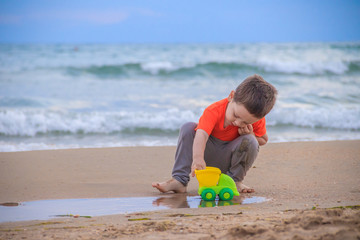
(212, 182)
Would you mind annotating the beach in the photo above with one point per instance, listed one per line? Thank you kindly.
(313, 192)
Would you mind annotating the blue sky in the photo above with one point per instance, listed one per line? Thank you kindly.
(161, 21)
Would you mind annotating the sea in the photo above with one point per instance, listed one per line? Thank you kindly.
(61, 96)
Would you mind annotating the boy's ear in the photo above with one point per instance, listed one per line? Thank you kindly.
(231, 95)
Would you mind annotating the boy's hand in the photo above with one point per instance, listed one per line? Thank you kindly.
(197, 165)
(248, 129)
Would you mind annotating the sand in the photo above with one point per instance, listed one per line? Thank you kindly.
(309, 185)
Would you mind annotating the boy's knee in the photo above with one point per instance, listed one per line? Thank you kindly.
(253, 142)
(187, 128)
(248, 143)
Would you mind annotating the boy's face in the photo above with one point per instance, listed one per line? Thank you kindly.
(237, 115)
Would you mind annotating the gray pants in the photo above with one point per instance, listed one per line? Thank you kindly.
(232, 157)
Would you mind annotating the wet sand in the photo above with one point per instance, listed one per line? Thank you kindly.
(309, 184)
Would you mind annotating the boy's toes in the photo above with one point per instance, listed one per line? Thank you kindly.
(158, 187)
(248, 190)
(243, 188)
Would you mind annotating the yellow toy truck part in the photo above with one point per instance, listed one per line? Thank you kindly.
(212, 182)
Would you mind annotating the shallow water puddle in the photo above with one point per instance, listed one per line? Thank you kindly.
(47, 209)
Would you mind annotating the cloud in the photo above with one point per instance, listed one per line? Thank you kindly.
(107, 16)
(97, 17)
(83, 16)
(103, 17)
(146, 12)
(100, 17)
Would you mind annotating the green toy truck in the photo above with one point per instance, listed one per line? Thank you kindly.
(212, 182)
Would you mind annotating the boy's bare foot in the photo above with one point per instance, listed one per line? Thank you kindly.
(242, 188)
(170, 185)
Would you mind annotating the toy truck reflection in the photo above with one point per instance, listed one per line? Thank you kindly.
(212, 182)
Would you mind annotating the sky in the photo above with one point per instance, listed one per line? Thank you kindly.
(185, 21)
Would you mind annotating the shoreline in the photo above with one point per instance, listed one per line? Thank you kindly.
(296, 176)
(173, 145)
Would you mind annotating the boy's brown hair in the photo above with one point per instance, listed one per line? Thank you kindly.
(257, 95)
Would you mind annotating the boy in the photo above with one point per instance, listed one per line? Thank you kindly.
(227, 136)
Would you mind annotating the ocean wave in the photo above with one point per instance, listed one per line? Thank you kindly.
(348, 46)
(6, 146)
(169, 69)
(307, 68)
(36, 122)
(19, 102)
(173, 60)
(354, 66)
(330, 118)
(41, 122)
(161, 69)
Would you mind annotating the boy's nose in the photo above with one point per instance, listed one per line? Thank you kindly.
(240, 123)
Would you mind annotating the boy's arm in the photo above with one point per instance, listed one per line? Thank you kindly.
(200, 140)
(262, 140)
(248, 129)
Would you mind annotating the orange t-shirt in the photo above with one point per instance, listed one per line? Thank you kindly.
(212, 122)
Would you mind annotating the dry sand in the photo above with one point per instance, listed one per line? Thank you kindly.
(305, 182)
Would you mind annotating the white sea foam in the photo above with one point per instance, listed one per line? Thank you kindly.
(333, 118)
(290, 66)
(17, 147)
(6, 146)
(302, 67)
(156, 67)
(33, 122)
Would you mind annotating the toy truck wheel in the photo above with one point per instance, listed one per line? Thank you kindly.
(208, 195)
(226, 194)
(225, 203)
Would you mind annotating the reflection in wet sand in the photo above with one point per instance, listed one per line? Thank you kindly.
(182, 200)
(46, 209)
(173, 201)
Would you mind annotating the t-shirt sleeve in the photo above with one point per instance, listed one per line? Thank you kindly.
(259, 127)
(207, 121)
